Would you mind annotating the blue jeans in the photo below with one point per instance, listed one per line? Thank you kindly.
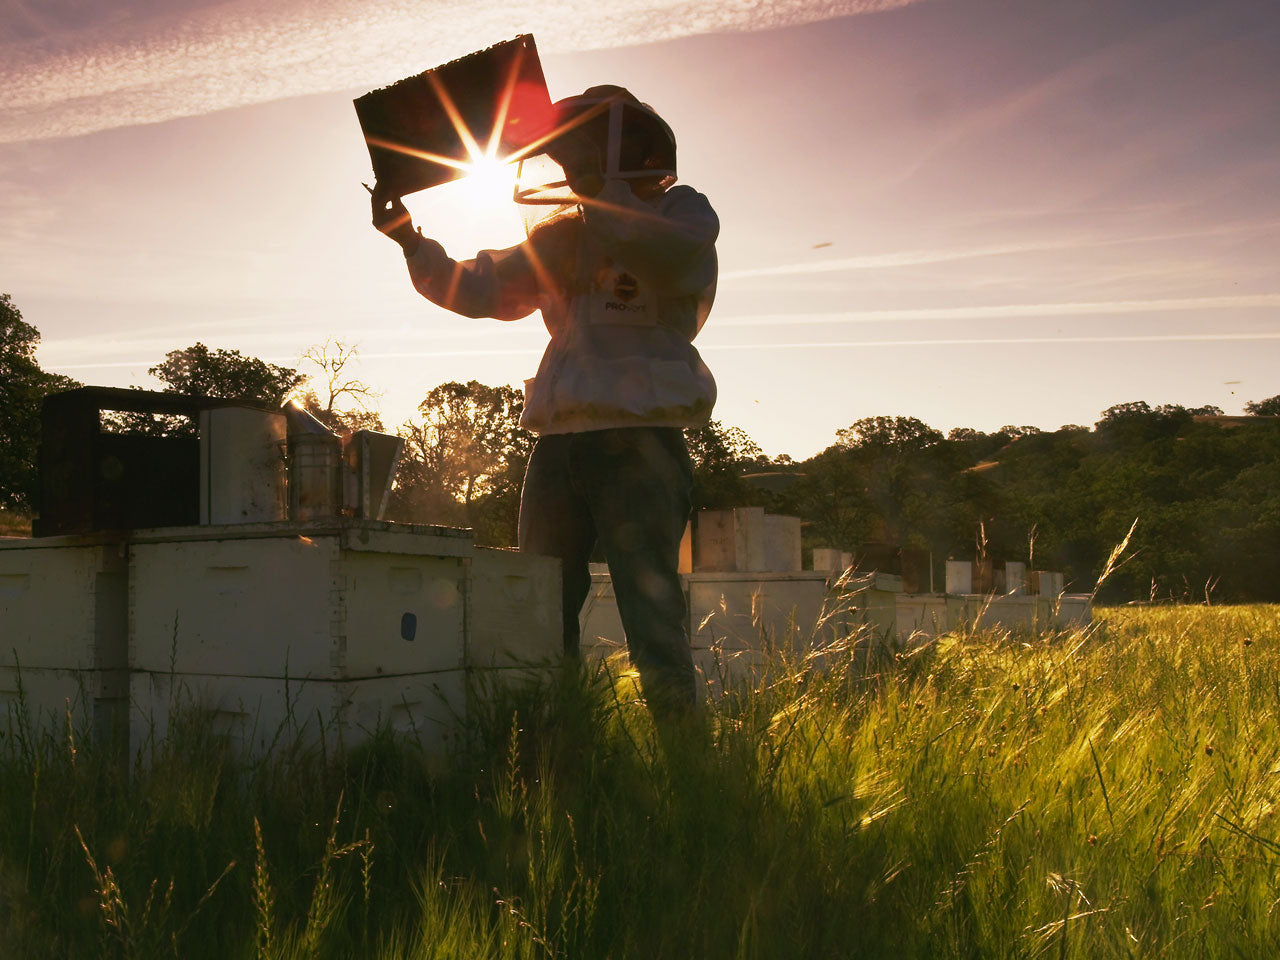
(631, 488)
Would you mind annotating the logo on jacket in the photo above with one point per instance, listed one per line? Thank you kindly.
(625, 287)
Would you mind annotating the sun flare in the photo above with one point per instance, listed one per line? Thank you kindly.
(474, 212)
(489, 182)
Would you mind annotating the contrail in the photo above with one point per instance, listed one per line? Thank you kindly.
(61, 78)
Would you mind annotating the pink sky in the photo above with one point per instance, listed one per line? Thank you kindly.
(969, 211)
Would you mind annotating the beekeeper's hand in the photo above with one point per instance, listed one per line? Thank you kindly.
(580, 157)
(391, 218)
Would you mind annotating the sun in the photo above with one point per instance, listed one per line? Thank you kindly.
(477, 211)
(489, 184)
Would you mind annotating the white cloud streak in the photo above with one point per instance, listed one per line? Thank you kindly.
(993, 341)
(145, 68)
(364, 357)
(916, 258)
(882, 261)
(1007, 311)
(782, 345)
(63, 355)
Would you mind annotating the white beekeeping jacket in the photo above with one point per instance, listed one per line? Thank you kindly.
(624, 286)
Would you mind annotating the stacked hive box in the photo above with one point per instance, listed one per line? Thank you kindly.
(745, 592)
(63, 624)
(322, 629)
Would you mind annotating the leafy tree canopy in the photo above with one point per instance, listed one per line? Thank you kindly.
(901, 434)
(716, 446)
(721, 455)
(1269, 407)
(464, 460)
(1014, 432)
(23, 387)
(225, 373)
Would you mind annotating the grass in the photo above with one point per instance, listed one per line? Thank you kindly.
(1101, 793)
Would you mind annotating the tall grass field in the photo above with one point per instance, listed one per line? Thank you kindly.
(1110, 792)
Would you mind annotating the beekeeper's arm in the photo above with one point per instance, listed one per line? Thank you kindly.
(497, 283)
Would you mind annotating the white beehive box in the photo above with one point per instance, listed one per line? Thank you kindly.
(959, 577)
(1017, 613)
(745, 610)
(1015, 577)
(599, 624)
(317, 600)
(781, 544)
(256, 713)
(359, 622)
(1046, 583)
(514, 611)
(732, 617)
(963, 610)
(920, 615)
(1074, 610)
(828, 559)
(62, 602)
(63, 630)
(875, 605)
(730, 540)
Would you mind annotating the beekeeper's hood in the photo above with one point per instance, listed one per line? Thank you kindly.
(634, 142)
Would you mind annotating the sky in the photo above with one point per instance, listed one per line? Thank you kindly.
(973, 212)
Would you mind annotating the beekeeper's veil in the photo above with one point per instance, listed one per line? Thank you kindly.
(634, 143)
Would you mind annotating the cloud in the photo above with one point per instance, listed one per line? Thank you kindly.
(65, 75)
(780, 345)
(1014, 310)
(992, 341)
(881, 261)
(916, 258)
(283, 359)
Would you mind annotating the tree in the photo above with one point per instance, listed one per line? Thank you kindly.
(23, 387)
(973, 446)
(899, 434)
(1269, 407)
(1125, 411)
(464, 460)
(830, 494)
(1013, 432)
(1206, 497)
(332, 357)
(225, 373)
(899, 464)
(719, 455)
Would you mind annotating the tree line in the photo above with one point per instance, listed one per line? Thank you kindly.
(1203, 489)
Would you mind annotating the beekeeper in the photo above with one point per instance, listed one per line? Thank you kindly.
(623, 267)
